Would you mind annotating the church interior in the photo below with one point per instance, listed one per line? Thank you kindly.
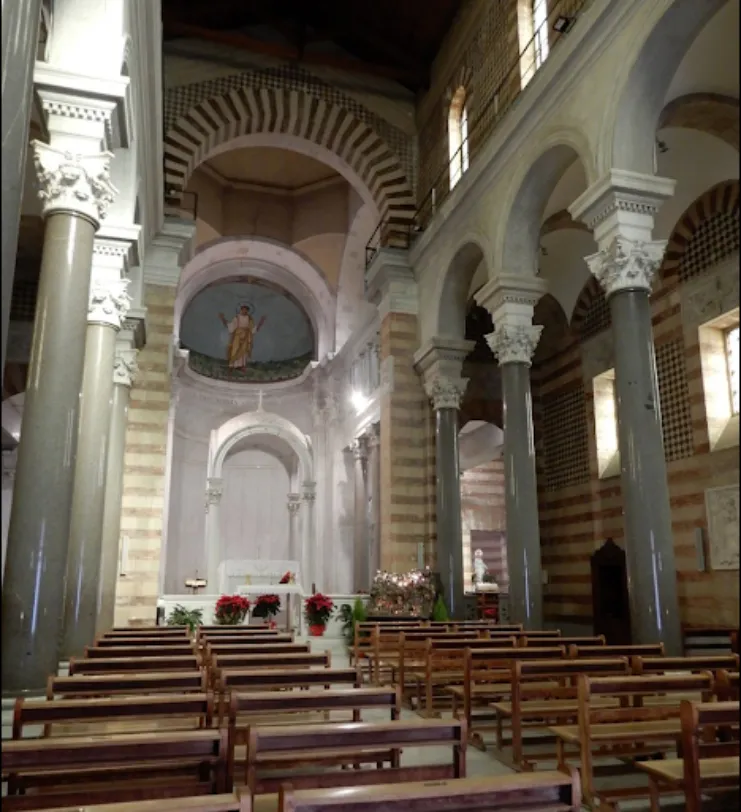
(370, 412)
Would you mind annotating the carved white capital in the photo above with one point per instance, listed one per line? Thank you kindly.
(444, 392)
(109, 302)
(309, 492)
(214, 491)
(125, 367)
(73, 183)
(626, 264)
(360, 448)
(514, 343)
(294, 503)
(512, 297)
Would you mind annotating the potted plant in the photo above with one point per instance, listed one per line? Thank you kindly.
(267, 607)
(350, 616)
(318, 609)
(180, 616)
(231, 610)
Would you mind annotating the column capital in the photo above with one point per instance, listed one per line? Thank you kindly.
(622, 203)
(626, 264)
(294, 503)
(109, 301)
(512, 297)
(125, 367)
(69, 182)
(360, 448)
(214, 491)
(514, 343)
(390, 283)
(308, 493)
(442, 355)
(374, 435)
(445, 392)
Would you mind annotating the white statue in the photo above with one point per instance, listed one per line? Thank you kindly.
(479, 567)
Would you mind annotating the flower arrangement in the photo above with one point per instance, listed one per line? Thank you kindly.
(180, 616)
(266, 606)
(318, 609)
(288, 578)
(490, 613)
(409, 593)
(231, 610)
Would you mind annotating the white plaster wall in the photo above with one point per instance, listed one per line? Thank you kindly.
(254, 517)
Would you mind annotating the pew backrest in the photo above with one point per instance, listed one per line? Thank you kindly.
(640, 650)
(143, 641)
(120, 665)
(269, 678)
(108, 652)
(659, 665)
(230, 662)
(102, 685)
(726, 686)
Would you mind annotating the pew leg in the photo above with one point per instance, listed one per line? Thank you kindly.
(500, 731)
(654, 795)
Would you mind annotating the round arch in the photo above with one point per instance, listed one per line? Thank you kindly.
(230, 257)
(325, 131)
(629, 133)
(253, 424)
(454, 287)
(519, 228)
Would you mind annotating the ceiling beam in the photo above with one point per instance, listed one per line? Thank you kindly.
(172, 29)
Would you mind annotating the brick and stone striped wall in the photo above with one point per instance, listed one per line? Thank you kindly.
(142, 510)
(578, 511)
(407, 451)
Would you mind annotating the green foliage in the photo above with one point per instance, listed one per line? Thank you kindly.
(440, 610)
(180, 616)
(359, 613)
(349, 616)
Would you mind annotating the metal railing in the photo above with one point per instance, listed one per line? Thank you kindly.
(562, 16)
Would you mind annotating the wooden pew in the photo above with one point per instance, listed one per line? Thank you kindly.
(246, 649)
(486, 678)
(246, 639)
(148, 631)
(256, 631)
(120, 665)
(106, 653)
(187, 709)
(199, 803)
(647, 723)
(278, 749)
(443, 665)
(175, 641)
(708, 764)
(231, 662)
(726, 686)
(363, 632)
(641, 650)
(99, 769)
(268, 679)
(534, 792)
(536, 702)
(127, 684)
(246, 710)
(708, 640)
(529, 639)
(661, 665)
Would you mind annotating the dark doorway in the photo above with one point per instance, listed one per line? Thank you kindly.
(610, 594)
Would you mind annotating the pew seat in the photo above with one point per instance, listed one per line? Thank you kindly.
(197, 803)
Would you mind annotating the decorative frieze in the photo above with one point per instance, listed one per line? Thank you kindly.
(125, 367)
(445, 392)
(514, 343)
(109, 302)
(74, 183)
(626, 264)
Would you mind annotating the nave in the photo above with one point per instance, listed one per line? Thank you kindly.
(467, 715)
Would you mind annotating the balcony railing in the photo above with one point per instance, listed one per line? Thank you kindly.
(562, 16)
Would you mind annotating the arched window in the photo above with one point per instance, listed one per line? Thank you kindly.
(458, 136)
(532, 30)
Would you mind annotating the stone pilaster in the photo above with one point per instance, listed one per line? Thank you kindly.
(620, 209)
(407, 457)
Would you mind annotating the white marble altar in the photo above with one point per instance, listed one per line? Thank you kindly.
(233, 574)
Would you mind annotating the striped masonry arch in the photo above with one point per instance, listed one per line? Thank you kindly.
(250, 110)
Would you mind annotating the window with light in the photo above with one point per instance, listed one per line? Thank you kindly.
(458, 136)
(540, 25)
(732, 362)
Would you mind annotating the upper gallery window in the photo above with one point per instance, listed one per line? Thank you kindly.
(540, 24)
(458, 136)
(532, 33)
(732, 361)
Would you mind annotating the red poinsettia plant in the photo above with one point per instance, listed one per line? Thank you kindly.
(231, 610)
(266, 606)
(490, 613)
(318, 609)
(287, 578)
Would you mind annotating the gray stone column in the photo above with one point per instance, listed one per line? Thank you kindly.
(511, 300)
(620, 209)
(20, 33)
(361, 562)
(76, 192)
(109, 303)
(294, 505)
(310, 562)
(124, 372)
(440, 362)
